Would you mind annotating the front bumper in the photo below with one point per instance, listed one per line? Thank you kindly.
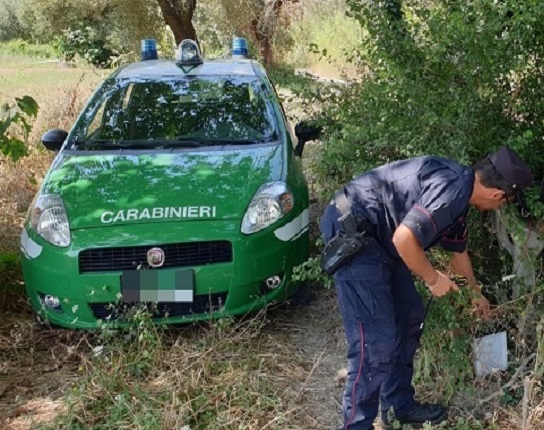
(88, 299)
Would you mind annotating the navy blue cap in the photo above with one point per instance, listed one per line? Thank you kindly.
(512, 168)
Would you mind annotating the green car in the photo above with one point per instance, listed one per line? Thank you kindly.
(179, 188)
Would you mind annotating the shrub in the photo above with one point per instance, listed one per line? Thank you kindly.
(84, 42)
(16, 125)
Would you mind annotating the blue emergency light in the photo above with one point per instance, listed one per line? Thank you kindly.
(148, 50)
(239, 47)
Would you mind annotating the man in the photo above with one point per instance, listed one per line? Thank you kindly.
(406, 207)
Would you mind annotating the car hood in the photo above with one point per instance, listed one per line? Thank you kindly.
(114, 189)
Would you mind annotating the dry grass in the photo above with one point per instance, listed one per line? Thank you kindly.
(255, 373)
(18, 184)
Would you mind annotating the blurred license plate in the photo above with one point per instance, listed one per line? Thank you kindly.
(157, 286)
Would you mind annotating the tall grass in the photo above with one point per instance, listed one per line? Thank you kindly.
(324, 38)
(21, 48)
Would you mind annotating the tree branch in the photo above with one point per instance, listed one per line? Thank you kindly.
(511, 381)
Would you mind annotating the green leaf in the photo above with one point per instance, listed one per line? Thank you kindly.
(5, 123)
(28, 105)
(26, 126)
(14, 148)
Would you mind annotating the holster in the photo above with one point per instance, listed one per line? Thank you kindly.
(344, 245)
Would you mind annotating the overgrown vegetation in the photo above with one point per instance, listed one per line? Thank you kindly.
(221, 375)
(456, 79)
(16, 121)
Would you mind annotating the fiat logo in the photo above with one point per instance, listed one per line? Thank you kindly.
(155, 257)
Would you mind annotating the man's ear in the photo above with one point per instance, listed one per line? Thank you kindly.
(497, 194)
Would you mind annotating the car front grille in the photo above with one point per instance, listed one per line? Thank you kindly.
(176, 255)
(201, 304)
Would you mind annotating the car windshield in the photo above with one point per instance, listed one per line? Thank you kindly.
(176, 113)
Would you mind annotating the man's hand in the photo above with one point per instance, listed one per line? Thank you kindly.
(442, 286)
(481, 305)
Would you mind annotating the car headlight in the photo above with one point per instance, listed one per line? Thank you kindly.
(49, 219)
(269, 204)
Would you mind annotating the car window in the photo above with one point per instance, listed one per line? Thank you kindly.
(213, 111)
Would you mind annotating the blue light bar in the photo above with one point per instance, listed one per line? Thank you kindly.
(239, 47)
(148, 50)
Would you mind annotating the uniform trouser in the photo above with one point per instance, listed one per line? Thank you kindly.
(382, 314)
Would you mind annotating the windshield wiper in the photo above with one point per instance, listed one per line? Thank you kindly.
(186, 141)
(238, 141)
(177, 142)
(110, 144)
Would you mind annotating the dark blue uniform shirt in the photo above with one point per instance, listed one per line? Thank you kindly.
(429, 195)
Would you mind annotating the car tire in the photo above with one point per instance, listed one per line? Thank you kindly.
(303, 295)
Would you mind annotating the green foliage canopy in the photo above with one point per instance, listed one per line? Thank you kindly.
(117, 26)
(456, 79)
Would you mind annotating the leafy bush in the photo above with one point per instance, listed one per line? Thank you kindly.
(84, 42)
(16, 125)
(456, 79)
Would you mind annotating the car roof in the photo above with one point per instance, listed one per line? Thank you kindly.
(165, 68)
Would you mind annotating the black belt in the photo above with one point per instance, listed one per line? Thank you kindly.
(343, 204)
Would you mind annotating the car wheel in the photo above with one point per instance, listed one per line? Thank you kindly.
(303, 295)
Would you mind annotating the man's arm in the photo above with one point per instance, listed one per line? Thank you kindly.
(413, 254)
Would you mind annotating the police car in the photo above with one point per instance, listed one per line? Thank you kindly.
(179, 188)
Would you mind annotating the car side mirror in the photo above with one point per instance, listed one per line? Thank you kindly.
(306, 131)
(53, 139)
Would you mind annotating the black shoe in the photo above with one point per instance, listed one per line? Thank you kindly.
(416, 416)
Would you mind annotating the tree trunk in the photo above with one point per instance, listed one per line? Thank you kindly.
(523, 244)
(178, 15)
(263, 28)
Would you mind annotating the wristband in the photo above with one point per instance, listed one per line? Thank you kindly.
(430, 287)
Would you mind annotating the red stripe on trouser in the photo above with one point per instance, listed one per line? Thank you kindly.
(359, 372)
